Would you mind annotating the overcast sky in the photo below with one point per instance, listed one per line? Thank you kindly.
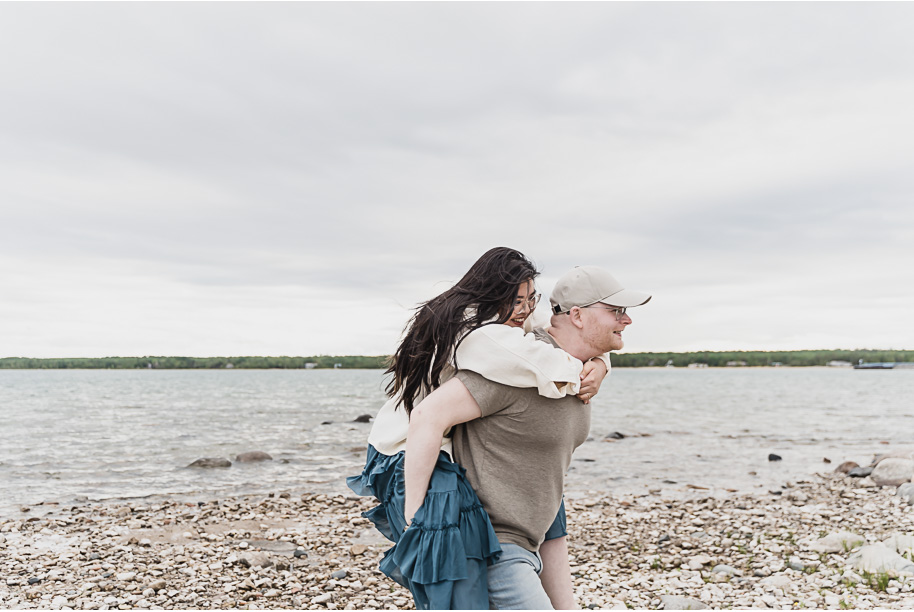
(291, 179)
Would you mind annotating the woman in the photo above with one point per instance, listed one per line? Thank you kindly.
(477, 325)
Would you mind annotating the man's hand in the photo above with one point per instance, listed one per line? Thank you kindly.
(591, 378)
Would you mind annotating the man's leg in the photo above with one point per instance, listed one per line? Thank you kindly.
(556, 574)
(514, 582)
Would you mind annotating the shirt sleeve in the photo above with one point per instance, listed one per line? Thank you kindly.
(605, 359)
(506, 355)
(490, 396)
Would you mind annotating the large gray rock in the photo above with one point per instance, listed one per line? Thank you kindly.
(211, 462)
(673, 602)
(839, 541)
(877, 558)
(893, 471)
(252, 456)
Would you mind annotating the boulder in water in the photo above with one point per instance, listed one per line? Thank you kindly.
(211, 462)
(362, 418)
(252, 456)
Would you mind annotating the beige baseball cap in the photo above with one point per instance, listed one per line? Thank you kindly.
(586, 285)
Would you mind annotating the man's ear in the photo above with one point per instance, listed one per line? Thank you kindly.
(574, 315)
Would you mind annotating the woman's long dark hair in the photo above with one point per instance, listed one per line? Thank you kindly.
(489, 287)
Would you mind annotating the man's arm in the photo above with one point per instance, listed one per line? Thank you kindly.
(556, 574)
(449, 405)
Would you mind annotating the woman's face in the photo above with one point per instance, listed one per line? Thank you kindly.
(524, 303)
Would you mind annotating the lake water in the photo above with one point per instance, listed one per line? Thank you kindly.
(67, 435)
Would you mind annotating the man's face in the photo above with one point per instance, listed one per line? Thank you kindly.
(604, 326)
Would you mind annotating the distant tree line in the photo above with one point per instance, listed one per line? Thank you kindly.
(625, 360)
(202, 363)
(759, 358)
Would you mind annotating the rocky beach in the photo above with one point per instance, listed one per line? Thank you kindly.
(832, 541)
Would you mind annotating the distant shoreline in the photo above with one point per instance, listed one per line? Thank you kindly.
(711, 359)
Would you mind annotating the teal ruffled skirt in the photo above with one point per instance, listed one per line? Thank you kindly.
(443, 556)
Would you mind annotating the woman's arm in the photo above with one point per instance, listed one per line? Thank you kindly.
(595, 370)
(506, 355)
(449, 405)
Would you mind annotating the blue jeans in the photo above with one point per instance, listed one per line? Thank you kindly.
(514, 581)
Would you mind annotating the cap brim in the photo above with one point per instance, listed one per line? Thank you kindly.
(627, 298)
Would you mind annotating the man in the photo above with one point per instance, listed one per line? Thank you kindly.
(516, 445)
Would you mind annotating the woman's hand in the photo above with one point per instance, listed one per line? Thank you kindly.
(591, 378)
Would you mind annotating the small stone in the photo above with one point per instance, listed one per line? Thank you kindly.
(255, 559)
(322, 598)
(126, 576)
(727, 570)
(34, 580)
(339, 575)
(860, 472)
(299, 552)
(846, 467)
(773, 457)
(357, 549)
(615, 436)
(272, 593)
(362, 418)
(158, 585)
(779, 581)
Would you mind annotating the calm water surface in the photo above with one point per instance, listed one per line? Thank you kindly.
(74, 434)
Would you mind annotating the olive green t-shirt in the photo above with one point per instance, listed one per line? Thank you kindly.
(517, 453)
